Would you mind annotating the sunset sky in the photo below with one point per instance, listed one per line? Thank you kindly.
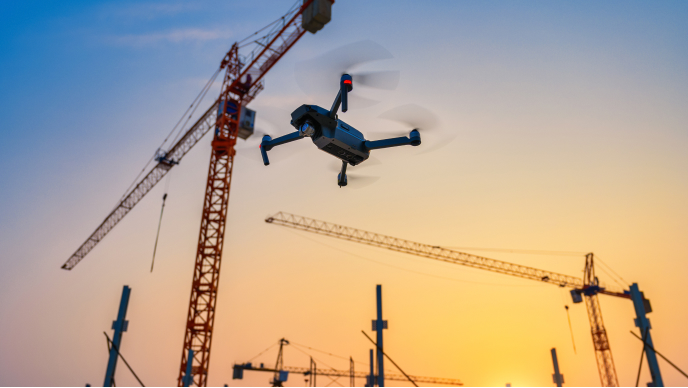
(569, 131)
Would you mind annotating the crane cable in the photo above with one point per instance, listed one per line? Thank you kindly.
(624, 284)
(293, 8)
(196, 102)
(328, 353)
(259, 354)
(519, 251)
(613, 275)
(157, 235)
(333, 380)
(110, 343)
(194, 105)
(571, 329)
(568, 316)
(389, 358)
(645, 344)
(410, 270)
(642, 354)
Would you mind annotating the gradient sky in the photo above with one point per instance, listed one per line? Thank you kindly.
(570, 124)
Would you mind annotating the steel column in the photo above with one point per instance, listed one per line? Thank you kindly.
(643, 323)
(119, 326)
(378, 326)
(188, 378)
(557, 376)
(371, 377)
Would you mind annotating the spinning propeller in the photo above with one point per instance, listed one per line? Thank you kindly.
(315, 76)
(412, 116)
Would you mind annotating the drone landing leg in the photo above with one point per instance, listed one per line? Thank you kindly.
(341, 178)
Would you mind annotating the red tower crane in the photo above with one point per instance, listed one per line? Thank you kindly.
(588, 286)
(241, 83)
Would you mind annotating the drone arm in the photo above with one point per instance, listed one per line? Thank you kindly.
(413, 139)
(345, 86)
(335, 105)
(269, 143)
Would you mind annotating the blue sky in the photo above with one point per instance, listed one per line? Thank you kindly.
(570, 135)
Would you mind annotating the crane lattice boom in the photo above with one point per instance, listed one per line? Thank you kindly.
(425, 250)
(346, 373)
(238, 89)
(589, 286)
(155, 175)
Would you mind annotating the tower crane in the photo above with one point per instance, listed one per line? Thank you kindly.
(587, 288)
(343, 373)
(229, 119)
(281, 372)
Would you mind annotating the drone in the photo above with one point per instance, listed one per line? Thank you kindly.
(332, 135)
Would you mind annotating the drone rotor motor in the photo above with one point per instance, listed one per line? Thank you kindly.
(415, 137)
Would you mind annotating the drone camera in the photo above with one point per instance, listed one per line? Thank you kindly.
(307, 129)
(345, 86)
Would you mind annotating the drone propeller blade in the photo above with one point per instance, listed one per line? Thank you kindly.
(412, 116)
(386, 79)
(336, 165)
(361, 181)
(356, 101)
(320, 74)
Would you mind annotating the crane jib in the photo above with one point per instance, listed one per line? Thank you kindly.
(425, 250)
(155, 175)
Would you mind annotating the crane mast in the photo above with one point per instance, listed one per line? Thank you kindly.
(234, 95)
(589, 286)
(603, 352)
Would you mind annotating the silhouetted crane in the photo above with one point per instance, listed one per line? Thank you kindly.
(588, 287)
(281, 372)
